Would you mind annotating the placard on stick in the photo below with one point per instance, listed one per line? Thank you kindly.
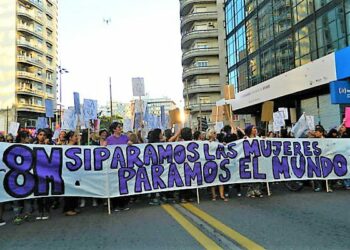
(227, 112)
(267, 111)
(229, 92)
(175, 117)
(293, 115)
(138, 86)
(217, 114)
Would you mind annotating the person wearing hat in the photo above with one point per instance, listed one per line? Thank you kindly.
(254, 190)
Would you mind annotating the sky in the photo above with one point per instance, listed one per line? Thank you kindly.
(142, 40)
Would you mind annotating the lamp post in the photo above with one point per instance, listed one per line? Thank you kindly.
(61, 71)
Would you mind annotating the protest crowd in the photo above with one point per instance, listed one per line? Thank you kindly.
(39, 209)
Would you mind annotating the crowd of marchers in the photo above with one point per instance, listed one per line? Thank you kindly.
(39, 209)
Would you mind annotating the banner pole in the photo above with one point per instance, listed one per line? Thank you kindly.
(327, 186)
(109, 206)
(198, 195)
(268, 188)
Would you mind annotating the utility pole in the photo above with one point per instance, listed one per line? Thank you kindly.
(110, 97)
(107, 21)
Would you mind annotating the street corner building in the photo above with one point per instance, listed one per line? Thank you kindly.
(203, 57)
(28, 52)
(292, 52)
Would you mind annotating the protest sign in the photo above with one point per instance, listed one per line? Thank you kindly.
(127, 125)
(267, 111)
(218, 127)
(69, 121)
(285, 113)
(229, 92)
(300, 128)
(163, 120)
(138, 86)
(138, 121)
(228, 112)
(41, 123)
(76, 97)
(293, 115)
(90, 109)
(217, 114)
(310, 120)
(175, 117)
(278, 121)
(49, 108)
(122, 170)
(13, 128)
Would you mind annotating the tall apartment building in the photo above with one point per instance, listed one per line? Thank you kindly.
(28, 52)
(288, 51)
(203, 58)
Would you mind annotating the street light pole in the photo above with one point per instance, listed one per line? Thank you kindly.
(61, 71)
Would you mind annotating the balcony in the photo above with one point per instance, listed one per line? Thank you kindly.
(30, 30)
(201, 88)
(189, 55)
(49, 96)
(29, 45)
(30, 14)
(203, 107)
(195, 70)
(30, 107)
(29, 60)
(50, 11)
(50, 82)
(29, 91)
(188, 20)
(30, 76)
(186, 5)
(33, 3)
(188, 37)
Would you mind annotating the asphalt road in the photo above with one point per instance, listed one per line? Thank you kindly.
(286, 220)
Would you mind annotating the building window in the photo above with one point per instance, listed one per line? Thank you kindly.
(331, 31)
(239, 11)
(229, 17)
(233, 79)
(241, 52)
(242, 77)
(284, 55)
(347, 17)
(320, 3)
(204, 100)
(250, 6)
(254, 71)
(201, 63)
(231, 51)
(252, 34)
(305, 45)
(267, 64)
(265, 24)
(302, 9)
(282, 15)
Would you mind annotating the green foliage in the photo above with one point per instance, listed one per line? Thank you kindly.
(105, 121)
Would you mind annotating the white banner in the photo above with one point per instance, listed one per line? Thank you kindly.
(29, 171)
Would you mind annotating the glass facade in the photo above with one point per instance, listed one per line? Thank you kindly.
(266, 38)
